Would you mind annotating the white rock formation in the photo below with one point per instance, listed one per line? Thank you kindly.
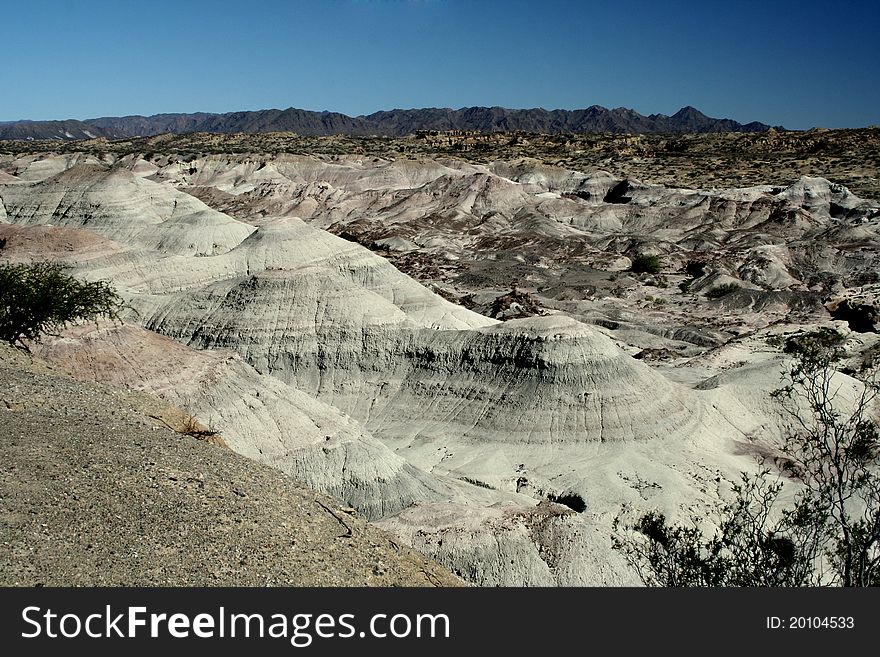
(123, 207)
(322, 359)
(257, 416)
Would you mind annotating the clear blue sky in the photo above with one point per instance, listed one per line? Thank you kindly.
(798, 64)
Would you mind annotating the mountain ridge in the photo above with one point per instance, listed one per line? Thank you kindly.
(390, 123)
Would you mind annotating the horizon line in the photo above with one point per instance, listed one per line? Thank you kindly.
(355, 116)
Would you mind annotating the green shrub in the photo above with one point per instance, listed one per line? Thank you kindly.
(649, 264)
(826, 343)
(827, 534)
(40, 298)
(722, 290)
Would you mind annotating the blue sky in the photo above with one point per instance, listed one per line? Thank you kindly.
(797, 64)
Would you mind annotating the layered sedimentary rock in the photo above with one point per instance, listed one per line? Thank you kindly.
(258, 416)
(125, 208)
(503, 449)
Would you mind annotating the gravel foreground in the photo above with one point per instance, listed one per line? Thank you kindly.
(96, 491)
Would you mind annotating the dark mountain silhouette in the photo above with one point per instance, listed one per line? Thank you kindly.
(63, 130)
(392, 123)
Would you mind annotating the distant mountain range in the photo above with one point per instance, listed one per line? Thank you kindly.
(393, 123)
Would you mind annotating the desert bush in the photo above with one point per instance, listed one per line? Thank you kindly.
(192, 427)
(829, 535)
(835, 456)
(746, 548)
(40, 298)
(722, 290)
(649, 264)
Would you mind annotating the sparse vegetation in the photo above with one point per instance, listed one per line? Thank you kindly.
(193, 428)
(830, 535)
(648, 264)
(722, 290)
(746, 548)
(716, 159)
(37, 299)
(477, 482)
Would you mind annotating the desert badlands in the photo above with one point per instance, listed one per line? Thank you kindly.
(460, 351)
